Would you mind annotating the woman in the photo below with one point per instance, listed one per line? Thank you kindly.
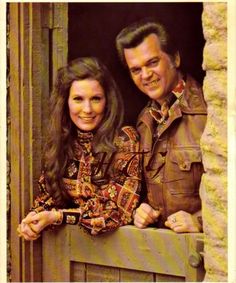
(91, 171)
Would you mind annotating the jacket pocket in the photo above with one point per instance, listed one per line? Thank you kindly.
(183, 171)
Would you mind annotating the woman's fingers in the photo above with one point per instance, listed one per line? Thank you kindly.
(30, 218)
(25, 231)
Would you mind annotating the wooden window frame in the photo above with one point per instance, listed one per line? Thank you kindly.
(31, 25)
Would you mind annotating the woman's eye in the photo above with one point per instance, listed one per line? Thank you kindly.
(96, 99)
(78, 98)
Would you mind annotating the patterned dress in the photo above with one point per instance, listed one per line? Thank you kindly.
(104, 189)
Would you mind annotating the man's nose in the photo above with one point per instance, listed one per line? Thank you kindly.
(146, 73)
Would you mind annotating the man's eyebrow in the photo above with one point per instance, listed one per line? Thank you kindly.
(153, 58)
(135, 67)
(147, 62)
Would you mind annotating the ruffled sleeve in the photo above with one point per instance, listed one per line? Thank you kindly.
(44, 200)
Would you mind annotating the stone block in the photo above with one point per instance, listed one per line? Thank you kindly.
(215, 89)
(213, 191)
(215, 56)
(214, 20)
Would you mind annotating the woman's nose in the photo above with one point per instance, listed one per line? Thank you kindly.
(87, 107)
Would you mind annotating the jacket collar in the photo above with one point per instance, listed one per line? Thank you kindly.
(191, 102)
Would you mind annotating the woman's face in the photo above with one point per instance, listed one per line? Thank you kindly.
(86, 103)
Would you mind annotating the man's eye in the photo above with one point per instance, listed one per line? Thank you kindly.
(153, 63)
(135, 71)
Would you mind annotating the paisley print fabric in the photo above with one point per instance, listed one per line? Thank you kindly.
(104, 189)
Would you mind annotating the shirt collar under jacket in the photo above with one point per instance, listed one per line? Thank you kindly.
(158, 113)
(191, 101)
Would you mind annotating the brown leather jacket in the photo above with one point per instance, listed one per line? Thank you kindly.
(173, 165)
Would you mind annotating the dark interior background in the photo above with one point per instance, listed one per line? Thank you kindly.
(93, 28)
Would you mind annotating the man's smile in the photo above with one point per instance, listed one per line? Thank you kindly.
(153, 83)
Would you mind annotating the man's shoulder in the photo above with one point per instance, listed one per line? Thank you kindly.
(144, 112)
(192, 83)
(193, 98)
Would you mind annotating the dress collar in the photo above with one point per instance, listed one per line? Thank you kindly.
(84, 137)
(84, 141)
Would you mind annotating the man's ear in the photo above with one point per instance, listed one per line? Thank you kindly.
(177, 59)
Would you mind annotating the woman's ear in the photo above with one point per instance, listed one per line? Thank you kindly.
(177, 59)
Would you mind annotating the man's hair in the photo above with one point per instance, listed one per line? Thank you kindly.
(134, 34)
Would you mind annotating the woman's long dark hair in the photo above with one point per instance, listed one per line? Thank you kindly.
(62, 131)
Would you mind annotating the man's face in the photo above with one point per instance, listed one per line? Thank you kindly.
(151, 69)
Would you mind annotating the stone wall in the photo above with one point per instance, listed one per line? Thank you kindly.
(214, 142)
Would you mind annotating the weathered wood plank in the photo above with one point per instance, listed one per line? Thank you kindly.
(36, 124)
(59, 37)
(168, 278)
(56, 256)
(127, 275)
(77, 272)
(47, 15)
(194, 246)
(128, 254)
(150, 250)
(96, 273)
(15, 136)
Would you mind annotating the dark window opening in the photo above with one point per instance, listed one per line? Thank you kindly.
(93, 27)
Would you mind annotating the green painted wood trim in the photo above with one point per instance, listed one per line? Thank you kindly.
(150, 250)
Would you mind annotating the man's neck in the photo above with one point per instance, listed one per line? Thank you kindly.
(169, 92)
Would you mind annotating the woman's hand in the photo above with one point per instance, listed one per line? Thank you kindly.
(34, 223)
(183, 221)
(24, 230)
(145, 215)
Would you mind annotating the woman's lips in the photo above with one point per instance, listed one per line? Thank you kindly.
(87, 119)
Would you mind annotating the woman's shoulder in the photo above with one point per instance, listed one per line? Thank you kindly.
(126, 135)
(129, 133)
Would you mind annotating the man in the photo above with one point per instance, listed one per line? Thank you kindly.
(170, 127)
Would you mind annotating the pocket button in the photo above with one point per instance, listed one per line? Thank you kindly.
(183, 166)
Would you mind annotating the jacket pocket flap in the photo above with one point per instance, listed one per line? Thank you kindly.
(185, 157)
